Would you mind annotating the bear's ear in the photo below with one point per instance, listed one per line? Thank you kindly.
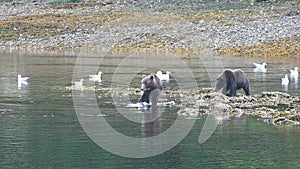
(143, 76)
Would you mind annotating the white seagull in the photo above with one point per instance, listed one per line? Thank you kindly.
(294, 73)
(78, 84)
(96, 78)
(164, 78)
(260, 67)
(285, 80)
(22, 80)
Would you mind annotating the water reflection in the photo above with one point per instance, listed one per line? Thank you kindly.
(151, 126)
(260, 76)
(151, 123)
(285, 88)
(295, 82)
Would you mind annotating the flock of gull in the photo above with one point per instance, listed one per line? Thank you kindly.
(93, 78)
(284, 81)
(164, 78)
(97, 79)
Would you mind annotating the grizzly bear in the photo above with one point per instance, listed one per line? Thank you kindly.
(151, 87)
(231, 81)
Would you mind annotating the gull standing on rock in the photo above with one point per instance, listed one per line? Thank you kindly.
(260, 67)
(22, 81)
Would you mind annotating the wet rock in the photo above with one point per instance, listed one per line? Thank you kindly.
(205, 91)
(220, 108)
(189, 112)
(275, 94)
(272, 107)
(237, 112)
(292, 13)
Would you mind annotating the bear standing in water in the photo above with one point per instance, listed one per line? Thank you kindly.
(151, 87)
(231, 81)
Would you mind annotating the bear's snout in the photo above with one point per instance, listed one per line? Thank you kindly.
(143, 87)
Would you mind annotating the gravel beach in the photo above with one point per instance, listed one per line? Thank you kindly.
(134, 26)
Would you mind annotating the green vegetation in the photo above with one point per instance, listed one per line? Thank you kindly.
(283, 49)
(48, 25)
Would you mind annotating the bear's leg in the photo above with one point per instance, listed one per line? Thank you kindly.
(145, 97)
(224, 91)
(230, 83)
(246, 90)
(232, 90)
(154, 96)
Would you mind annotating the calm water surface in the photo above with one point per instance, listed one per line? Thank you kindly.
(40, 129)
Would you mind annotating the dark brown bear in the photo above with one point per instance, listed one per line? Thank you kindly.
(231, 81)
(151, 87)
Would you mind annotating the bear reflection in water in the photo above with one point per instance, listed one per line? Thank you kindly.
(231, 81)
(151, 88)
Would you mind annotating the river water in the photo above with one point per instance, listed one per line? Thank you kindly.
(40, 128)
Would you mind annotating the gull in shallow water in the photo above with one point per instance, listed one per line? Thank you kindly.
(260, 67)
(78, 84)
(164, 78)
(96, 78)
(22, 80)
(285, 80)
(294, 73)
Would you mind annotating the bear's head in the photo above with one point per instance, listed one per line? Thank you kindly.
(220, 82)
(150, 82)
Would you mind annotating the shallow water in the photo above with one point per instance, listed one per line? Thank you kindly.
(40, 128)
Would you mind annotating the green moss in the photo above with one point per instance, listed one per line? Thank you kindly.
(48, 25)
(283, 49)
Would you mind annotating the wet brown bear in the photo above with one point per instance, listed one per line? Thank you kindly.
(151, 87)
(231, 81)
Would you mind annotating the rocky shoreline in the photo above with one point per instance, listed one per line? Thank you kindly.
(133, 26)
